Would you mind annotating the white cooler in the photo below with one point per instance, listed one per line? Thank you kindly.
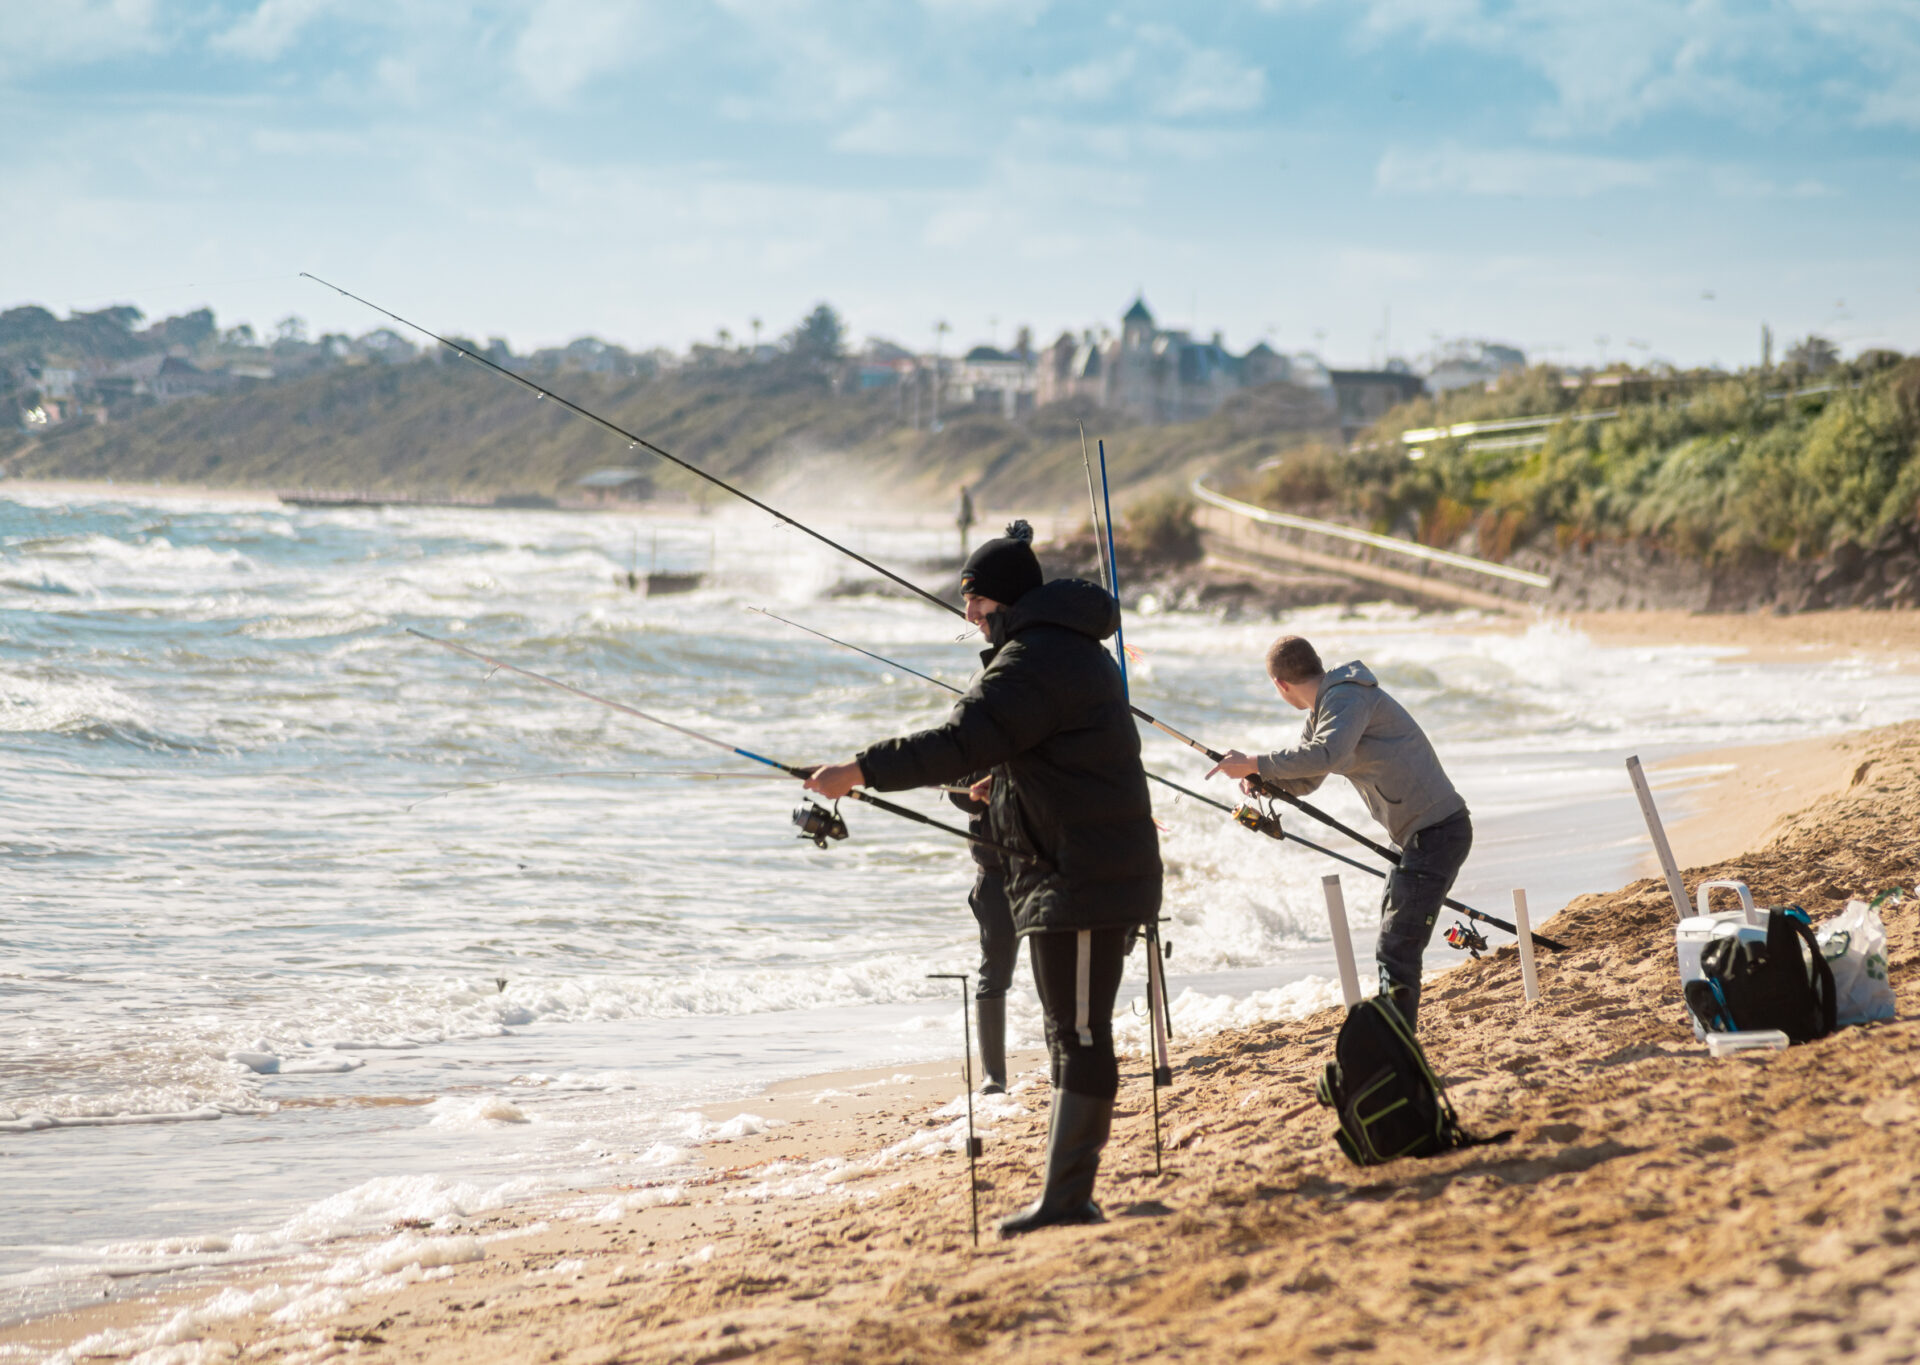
(1693, 933)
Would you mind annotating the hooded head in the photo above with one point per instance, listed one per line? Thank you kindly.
(1004, 570)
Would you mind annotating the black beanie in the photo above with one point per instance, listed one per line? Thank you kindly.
(1005, 569)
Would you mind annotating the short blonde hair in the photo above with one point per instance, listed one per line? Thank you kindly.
(1290, 659)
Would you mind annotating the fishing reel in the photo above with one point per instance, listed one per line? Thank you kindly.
(1466, 940)
(819, 824)
(1260, 821)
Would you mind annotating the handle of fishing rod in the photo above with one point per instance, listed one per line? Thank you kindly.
(880, 804)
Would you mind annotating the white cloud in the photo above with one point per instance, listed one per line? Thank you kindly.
(1515, 173)
(1160, 68)
(270, 30)
(1614, 64)
(567, 43)
(41, 34)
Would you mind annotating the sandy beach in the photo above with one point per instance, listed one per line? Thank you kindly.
(1652, 1203)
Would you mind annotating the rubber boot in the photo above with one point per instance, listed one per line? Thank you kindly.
(1075, 1136)
(991, 1015)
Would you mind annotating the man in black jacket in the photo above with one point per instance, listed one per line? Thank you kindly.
(1049, 716)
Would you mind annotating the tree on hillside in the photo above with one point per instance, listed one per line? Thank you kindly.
(1813, 354)
(191, 330)
(818, 338)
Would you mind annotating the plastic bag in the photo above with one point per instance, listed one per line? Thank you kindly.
(1854, 943)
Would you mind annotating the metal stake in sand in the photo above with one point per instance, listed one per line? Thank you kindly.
(1342, 938)
(1675, 887)
(1528, 979)
(966, 1070)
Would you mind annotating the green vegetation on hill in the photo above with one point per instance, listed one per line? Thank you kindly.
(1713, 467)
(448, 426)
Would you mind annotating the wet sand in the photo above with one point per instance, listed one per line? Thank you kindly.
(1652, 1203)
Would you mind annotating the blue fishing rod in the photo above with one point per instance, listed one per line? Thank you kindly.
(1157, 1024)
(815, 821)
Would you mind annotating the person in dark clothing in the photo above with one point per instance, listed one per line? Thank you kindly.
(1356, 730)
(1048, 714)
(999, 945)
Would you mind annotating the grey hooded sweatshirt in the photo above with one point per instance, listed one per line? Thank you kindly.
(1356, 730)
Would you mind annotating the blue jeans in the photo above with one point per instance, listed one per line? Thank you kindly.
(1430, 861)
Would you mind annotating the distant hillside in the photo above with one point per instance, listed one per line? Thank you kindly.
(450, 427)
(1711, 467)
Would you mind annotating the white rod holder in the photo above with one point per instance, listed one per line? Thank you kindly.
(1528, 978)
(1342, 938)
(1675, 887)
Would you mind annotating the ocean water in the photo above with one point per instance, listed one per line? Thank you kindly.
(308, 927)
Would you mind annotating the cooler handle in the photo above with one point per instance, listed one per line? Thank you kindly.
(1705, 894)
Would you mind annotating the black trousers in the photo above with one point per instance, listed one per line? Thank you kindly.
(1078, 975)
(1411, 903)
(999, 946)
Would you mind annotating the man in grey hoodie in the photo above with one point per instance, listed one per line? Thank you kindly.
(1356, 730)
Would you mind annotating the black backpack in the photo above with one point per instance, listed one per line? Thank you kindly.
(1745, 985)
(1387, 1098)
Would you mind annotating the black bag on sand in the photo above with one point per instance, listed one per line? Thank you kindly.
(1387, 1098)
(1784, 983)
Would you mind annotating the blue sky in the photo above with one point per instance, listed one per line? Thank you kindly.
(1628, 179)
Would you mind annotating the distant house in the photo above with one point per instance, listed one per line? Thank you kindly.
(177, 378)
(882, 365)
(1467, 364)
(1363, 397)
(1158, 374)
(987, 377)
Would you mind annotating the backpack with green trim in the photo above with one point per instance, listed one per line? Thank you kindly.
(1388, 1101)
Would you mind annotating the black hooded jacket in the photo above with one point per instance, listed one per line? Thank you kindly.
(1049, 715)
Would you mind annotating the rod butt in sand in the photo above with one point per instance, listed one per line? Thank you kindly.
(1675, 887)
(1342, 939)
(1529, 980)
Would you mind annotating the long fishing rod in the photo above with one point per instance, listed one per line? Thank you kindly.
(815, 822)
(1157, 1027)
(637, 442)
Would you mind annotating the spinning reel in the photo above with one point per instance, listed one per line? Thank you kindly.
(1260, 821)
(819, 824)
(1466, 940)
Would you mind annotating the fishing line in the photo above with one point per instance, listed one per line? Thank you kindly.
(586, 772)
(642, 443)
(815, 822)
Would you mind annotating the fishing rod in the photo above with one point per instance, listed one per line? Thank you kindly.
(815, 822)
(1157, 1028)
(1268, 823)
(636, 442)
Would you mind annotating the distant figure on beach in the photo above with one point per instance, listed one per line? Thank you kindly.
(1356, 730)
(964, 518)
(1048, 717)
